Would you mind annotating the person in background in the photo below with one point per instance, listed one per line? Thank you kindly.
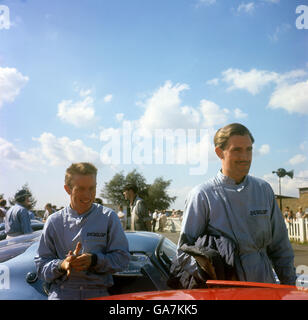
(154, 219)
(122, 217)
(48, 211)
(83, 244)
(138, 210)
(17, 220)
(286, 212)
(148, 221)
(162, 221)
(290, 217)
(2, 210)
(300, 213)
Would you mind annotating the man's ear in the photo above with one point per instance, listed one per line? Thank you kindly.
(219, 152)
(67, 189)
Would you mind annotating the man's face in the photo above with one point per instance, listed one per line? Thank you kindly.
(82, 192)
(27, 202)
(236, 157)
(125, 193)
(129, 194)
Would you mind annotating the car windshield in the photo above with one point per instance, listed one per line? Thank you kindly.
(166, 252)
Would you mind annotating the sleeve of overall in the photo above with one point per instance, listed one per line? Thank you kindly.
(195, 219)
(46, 259)
(117, 256)
(280, 250)
(25, 221)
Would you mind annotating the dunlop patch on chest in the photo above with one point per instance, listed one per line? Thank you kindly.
(258, 212)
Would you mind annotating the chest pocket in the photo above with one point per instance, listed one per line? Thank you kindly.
(95, 243)
(259, 225)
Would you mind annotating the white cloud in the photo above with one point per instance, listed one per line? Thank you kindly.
(272, 1)
(108, 98)
(79, 114)
(213, 115)
(63, 150)
(252, 81)
(120, 117)
(92, 136)
(291, 75)
(246, 7)
(106, 134)
(239, 114)
(205, 2)
(11, 82)
(292, 98)
(279, 30)
(164, 110)
(15, 158)
(290, 92)
(297, 159)
(85, 92)
(263, 150)
(8, 151)
(5, 22)
(213, 82)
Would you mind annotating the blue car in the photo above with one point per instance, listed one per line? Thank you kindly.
(148, 270)
(35, 225)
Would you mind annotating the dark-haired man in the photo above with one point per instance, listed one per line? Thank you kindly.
(241, 208)
(17, 220)
(138, 210)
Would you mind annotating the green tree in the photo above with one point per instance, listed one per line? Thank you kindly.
(155, 195)
(113, 190)
(158, 197)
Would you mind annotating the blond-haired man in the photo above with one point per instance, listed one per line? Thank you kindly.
(82, 244)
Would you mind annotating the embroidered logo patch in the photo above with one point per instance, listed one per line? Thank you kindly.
(96, 234)
(258, 212)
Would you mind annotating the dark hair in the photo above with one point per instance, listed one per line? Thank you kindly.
(2, 202)
(130, 186)
(223, 134)
(98, 200)
(21, 195)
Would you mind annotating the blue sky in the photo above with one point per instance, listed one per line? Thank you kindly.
(73, 72)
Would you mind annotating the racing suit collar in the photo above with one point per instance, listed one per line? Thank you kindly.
(229, 181)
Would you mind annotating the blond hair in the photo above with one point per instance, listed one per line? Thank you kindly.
(83, 168)
(223, 134)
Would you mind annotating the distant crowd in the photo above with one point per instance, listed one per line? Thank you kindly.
(290, 216)
(155, 221)
(21, 211)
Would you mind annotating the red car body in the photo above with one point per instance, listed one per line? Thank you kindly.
(221, 290)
